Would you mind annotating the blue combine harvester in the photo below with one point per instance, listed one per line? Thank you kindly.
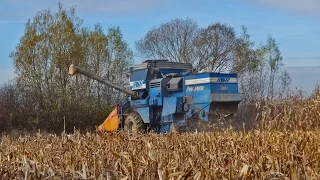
(162, 93)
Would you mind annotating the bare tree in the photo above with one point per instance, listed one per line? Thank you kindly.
(172, 41)
(212, 48)
(10, 112)
(274, 62)
(216, 48)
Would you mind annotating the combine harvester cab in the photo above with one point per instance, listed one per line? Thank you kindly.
(162, 93)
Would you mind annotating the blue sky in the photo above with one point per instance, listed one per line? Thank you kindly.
(295, 24)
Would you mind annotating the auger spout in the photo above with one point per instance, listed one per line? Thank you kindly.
(74, 70)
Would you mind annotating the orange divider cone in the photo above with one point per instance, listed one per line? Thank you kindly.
(111, 123)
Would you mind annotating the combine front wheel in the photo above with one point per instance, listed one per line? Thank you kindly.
(134, 123)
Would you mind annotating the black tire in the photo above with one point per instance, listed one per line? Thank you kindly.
(134, 123)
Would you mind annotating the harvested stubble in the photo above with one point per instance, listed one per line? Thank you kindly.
(223, 155)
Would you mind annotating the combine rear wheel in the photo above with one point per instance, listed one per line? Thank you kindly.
(134, 123)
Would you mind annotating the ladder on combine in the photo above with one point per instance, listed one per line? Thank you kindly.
(120, 115)
(123, 106)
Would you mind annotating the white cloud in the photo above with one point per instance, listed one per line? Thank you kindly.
(306, 7)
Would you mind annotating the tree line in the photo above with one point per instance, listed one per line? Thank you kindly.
(43, 96)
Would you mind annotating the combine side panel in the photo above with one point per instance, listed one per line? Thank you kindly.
(144, 113)
(215, 97)
(224, 100)
(224, 94)
(169, 106)
(198, 88)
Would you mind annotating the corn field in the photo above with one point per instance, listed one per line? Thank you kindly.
(224, 155)
(294, 113)
(285, 144)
